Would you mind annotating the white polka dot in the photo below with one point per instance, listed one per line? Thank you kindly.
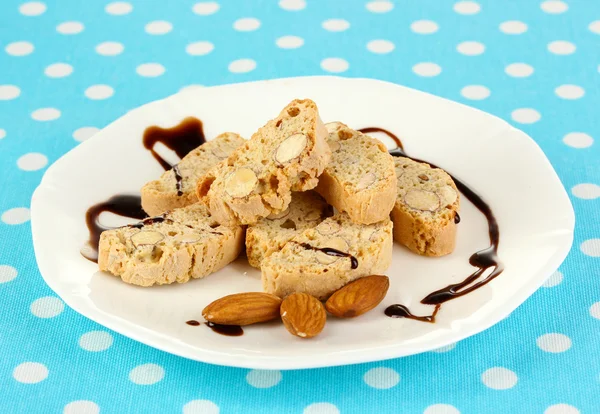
(380, 46)
(81, 407)
(30, 372)
(58, 70)
(199, 48)
(578, 140)
(335, 25)
(190, 87)
(335, 65)
(32, 161)
(32, 8)
(146, 374)
(525, 115)
(591, 247)
(289, 42)
(554, 343)
(499, 378)
(47, 307)
(45, 114)
(441, 409)
(381, 378)
(69, 28)
(443, 349)
(595, 310)
(424, 27)
(561, 47)
(201, 407)
(110, 48)
(19, 48)
(321, 408)
(7, 273)
(467, 7)
(247, 24)
(519, 70)
(561, 409)
(513, 27)
(242, 66)
(95, 341)
(380, 6)
(84, 133)
(263, 378)
(475, 92)
(292, 5)
(595, 26)
(569, 91)
(554, 6)
(470, 48)
(18, 215)
(205, 8)
(158, 27)
(2, 133)
(118, 8)
(98, 92)
(555, 279)
(586, 191)
(150, 70)
(427, 69)
(8, 92)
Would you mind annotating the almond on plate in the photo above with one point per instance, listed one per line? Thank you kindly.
(303, 315)
(243, 309)
(358, 297)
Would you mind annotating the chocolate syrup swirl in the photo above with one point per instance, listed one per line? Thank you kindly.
(484, 259)
(193, 323)
(123, 205)
(182, 139)
(227, 330)
(401, 311)
(333, 252)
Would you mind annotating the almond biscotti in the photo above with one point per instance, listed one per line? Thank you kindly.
(323, 259)
(426, 208)
(186, 243)
(177, 186)
(360, 178)
(271, 233)
(287, 154)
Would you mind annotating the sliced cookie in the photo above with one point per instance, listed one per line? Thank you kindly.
(177, 186)
(426, 208)
(285, 155)
(321, 260)
(271, 233)
(184, 244)
(360, 178)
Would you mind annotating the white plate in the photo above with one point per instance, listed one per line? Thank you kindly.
(500, 162)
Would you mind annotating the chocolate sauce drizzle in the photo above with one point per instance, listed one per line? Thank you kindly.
(401, 311)
(193, 323)
(333, 252)
(182, 139)
(227, 330)
(483, 259)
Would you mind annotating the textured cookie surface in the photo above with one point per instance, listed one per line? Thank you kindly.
(271, 233)
(285, 155)
(360, 178)
(177, 186)
(184, 244)
(425, 209)
(321, 260)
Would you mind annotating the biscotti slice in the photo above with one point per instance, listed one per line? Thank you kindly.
(186, 243)
(285, 155)
(360, 178)
(323, 259)
(426, 208)
(271, 233)
(177, 186)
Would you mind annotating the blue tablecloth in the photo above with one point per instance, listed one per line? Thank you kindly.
(70, 67)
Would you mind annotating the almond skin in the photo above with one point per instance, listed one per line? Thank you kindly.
(358, 297)
(243, 309)
(303, 315)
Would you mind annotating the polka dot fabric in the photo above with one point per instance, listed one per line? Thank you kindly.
(68, 68)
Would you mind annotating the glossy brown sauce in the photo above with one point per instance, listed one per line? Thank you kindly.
(333, 252)
(401, 311)
(193, 323)
(484, 259)
(227, 330)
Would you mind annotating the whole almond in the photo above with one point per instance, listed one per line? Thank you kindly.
(358, 297)
(303, 315)
(243, 309)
